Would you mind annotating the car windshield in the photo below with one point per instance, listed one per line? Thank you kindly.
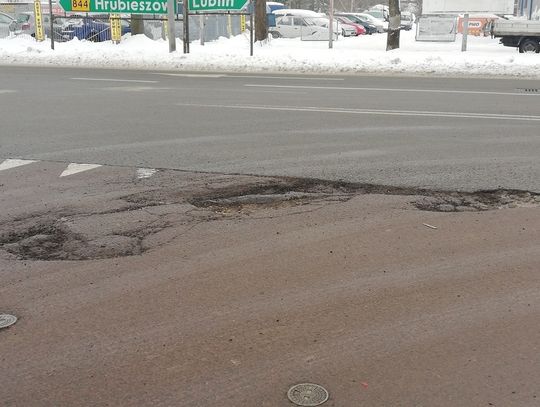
(376, 14)
(346, 20)
(23, 18)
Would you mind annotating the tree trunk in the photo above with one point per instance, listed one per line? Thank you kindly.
(261, 27)
(393, 25)
(137, 24)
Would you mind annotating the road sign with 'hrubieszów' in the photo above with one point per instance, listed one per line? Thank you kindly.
(216, 5)
(116, 6)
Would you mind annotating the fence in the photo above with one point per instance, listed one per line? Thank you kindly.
(97, 28)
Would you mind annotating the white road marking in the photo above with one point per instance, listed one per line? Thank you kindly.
(372, 112)
(75, 168)
(12, 163)
(311, 78)
(113, 80)
(143, 173)
(342, 88)
(134, 88)
(204, 75)
(7, 91)
(190, 75)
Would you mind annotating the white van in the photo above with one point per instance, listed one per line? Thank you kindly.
(307, 24)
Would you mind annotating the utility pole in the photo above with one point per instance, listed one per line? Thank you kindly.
(394, 24)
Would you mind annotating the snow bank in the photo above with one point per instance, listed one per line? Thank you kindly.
(365, 54)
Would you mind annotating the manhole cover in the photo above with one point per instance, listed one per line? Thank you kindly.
(307, 394)
(7, 320)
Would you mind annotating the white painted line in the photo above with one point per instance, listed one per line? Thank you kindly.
(204, 75)
(301, 78)
(190, 75)
(133, 88)
(340, 88)
(143, 173)
(372, 112)
(7, 91)
(112, 80)
(75, 168)
(13, 163)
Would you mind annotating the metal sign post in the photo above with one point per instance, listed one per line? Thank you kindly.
(331, 25)
(185, 24)
(51, 17)
(465, 32)
(170, 25)
(252, 8)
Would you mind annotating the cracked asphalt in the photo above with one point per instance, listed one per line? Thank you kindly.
(395, 264)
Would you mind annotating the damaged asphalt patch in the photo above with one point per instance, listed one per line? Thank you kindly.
(131, 223)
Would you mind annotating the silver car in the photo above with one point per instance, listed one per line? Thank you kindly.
(6, 24)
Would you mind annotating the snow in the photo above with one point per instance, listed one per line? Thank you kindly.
(364, 54)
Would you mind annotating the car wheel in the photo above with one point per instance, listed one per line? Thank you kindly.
(529, 46)
(275, 34)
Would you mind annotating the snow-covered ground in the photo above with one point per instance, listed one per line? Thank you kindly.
(365, 54)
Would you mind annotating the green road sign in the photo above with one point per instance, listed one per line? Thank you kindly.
(117, 6)
(216, 5)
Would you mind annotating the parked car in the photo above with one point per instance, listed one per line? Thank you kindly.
(407, 21)
(345, 22)
(26, 24)
(356, 19)
(291, 23)
(6, 25)
(95, 28)
(379, 15)
(381, 25)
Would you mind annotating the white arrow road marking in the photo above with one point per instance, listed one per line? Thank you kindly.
(7, 91)
(75, 168)
(143, 173)
(12, 163)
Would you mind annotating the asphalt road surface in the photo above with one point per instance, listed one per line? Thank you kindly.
(147, 266)
(466, 134)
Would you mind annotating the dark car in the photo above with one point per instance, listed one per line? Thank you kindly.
(95, 28)
(370, 28)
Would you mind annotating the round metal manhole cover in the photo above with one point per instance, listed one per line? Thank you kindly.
(7, 320)
(307, 394)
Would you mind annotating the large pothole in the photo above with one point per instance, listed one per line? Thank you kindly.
(53, 240)
(135, 223)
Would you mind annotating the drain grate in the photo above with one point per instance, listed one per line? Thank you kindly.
(529, 90)
(7, 320)
(307, 394)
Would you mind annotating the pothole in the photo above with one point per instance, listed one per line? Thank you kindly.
(135, 223)
(479, 201)
(53, 240)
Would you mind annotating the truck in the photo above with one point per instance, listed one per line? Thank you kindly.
(522, 34)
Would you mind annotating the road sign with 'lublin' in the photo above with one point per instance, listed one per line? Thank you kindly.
(216, 5)
(116, 6)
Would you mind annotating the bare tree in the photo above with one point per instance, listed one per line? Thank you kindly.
(393, 25)
(261, 25)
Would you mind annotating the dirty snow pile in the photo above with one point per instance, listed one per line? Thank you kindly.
(364, 54)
